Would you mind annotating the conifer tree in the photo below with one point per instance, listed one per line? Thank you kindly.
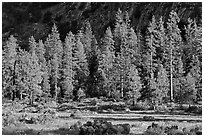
(150, 58)
(106, 59)
(173, 45)
(45, 84)
(161, 38)
(53, 55)
(135, 83)
(8, 66)
(53, 44)
(40, 51)
(151, 46)
(194, 38)
(22, 82)
(32, 44)
(86, 38)
(188, 92)
(34, 73)
(34, 77)
(162, 86)
(55, 76)
(118, 29)
(68, 66)
(93, 63)
(196, 73)
(81, 67)
(28, 74)
(126, 48)
(80, 56)
(178, 77)
(126, 19)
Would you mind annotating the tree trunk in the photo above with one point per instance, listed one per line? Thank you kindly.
(122, 85)
(14, 76)
(31, 98)
(171, 77)
(56, 92)
(21, 95)
(13, 95)
(133, 100)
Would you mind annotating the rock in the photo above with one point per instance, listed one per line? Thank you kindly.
(126, 128)
(31, 110)
(127, 110)
(101, 127)
(35, 104)
(30, 120)
(76, 114)
(93, 102)
(148, 118)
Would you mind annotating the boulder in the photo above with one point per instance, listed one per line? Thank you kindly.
(76, 114)
(148, 118)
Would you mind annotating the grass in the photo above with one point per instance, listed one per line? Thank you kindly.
(53, 127)
(64, 121)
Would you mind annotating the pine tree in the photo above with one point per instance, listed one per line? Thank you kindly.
(196, 73)
(80, 56)
(53, 44)
(161, 38)
(32, 44)
(55, 76)
(93, 63)
(126, 48)
(34, 73)
(133, 47)
(8, 67)
(125, 63)
(53, 55)
(173, 45)
(45, 84)
(135, 83)
(21, 71)
(193, 54)
(150, 58)
(34, 77)
(178, 78)
(162, 86)
(86, 38)
(188, 92)
(126, 19)
(117, 31)
(81, 67)
(106, 60)
(194, 38)
(40, 51)
(68, 66)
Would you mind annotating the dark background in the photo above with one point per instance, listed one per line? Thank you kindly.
(24, 19)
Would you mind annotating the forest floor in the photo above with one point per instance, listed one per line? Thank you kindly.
(63, 120)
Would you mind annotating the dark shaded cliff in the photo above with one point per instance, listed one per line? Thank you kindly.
(26, 19)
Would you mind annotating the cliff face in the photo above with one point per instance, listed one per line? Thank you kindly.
(26, 19)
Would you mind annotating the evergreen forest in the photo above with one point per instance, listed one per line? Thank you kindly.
(159, 66)
(81, 68)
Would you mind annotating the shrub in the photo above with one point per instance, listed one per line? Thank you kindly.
(194, 109)
(141, 106)
(65, 106)
(173, 130)
(155, 129)
(162, 108)
(99, 127)
(148, 118)
(76, 114)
